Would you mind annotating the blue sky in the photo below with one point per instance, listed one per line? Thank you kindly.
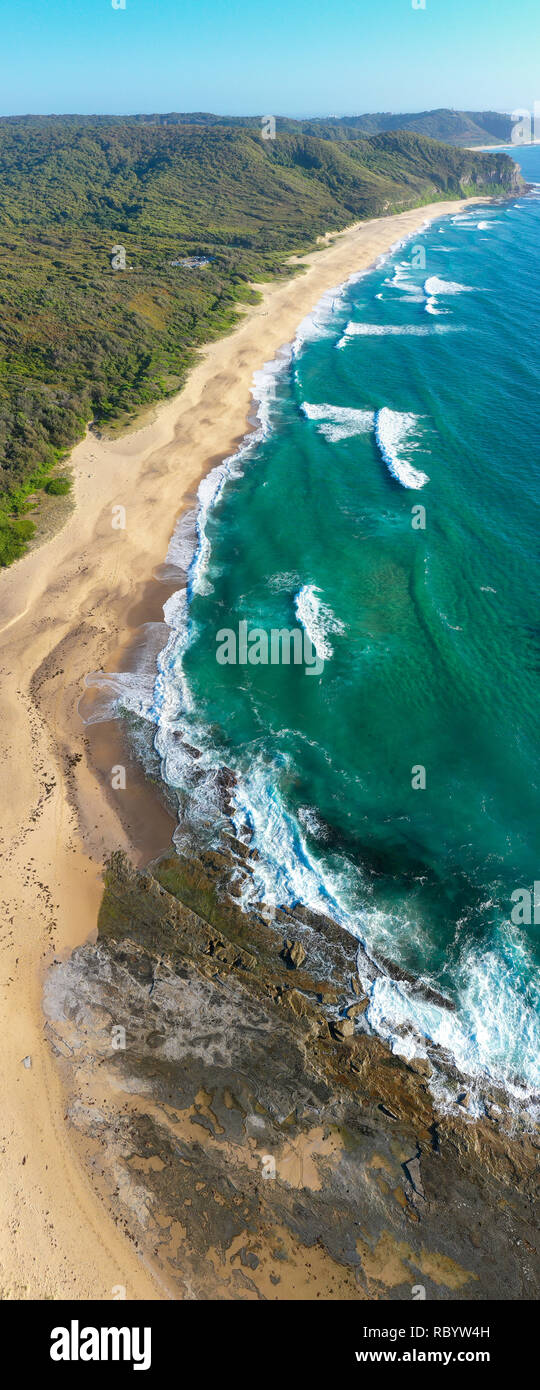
(299, 57)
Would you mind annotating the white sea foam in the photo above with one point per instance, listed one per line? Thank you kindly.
(337, 422)
(265, 386)
(492, 1033)
(434, 285)
(183, 541)
(393, 432)
(264, 390)
(283, 582)
(317, 619)
(434, 288)
(210, 490)
(176, 615)
(118, 691)
(115, 692)
(396, 246)
(401, 275)
(402, 280)
(321, 321)
(382, 330)
(284, 872)
(309, 818)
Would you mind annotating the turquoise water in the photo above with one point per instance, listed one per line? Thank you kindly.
(414, 386)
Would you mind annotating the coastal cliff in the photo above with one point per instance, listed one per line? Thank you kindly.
(251, 1135)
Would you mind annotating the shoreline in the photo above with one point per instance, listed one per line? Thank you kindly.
(65, 605)
(521, 144)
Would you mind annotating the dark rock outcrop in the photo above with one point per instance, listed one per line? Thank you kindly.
(254, 1140)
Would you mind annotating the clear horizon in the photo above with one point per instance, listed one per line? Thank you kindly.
(132, 57)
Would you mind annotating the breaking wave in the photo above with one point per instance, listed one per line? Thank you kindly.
(317, 620)
(338, 421)
(382, 330)
(393, 432)
(264, 391)
(435, 288)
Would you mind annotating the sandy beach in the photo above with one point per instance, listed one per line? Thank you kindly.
(68, 608)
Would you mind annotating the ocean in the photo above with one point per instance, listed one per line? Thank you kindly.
(385, 510)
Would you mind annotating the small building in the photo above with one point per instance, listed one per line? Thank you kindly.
(193, 262)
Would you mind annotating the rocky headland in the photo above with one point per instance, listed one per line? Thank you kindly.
(250, 1134)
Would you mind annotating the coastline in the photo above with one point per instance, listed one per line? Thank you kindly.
(65, 606)
(486, 148)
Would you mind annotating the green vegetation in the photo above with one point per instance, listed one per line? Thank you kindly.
(58, 487)
(82, 341)
(15, 532)
(453, 127)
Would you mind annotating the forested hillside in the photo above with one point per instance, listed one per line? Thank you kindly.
(80, 340)
(454, 127)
